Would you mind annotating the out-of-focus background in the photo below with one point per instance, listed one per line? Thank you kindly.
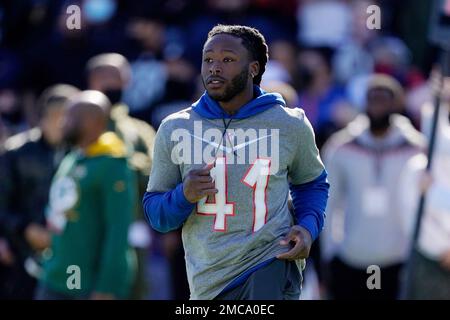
(323, 55)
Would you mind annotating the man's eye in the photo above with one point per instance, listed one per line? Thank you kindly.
(207, 60)
(227, 60)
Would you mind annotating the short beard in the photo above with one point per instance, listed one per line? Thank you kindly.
(381, 123)
(71, 138)
(237, 85)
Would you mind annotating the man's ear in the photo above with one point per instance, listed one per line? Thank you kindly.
(254, 68)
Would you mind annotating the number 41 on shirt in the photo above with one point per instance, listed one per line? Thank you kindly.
(256, 178)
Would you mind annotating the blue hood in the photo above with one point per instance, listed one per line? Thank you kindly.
(210, 109)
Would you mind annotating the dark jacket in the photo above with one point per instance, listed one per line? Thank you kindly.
(26, 171)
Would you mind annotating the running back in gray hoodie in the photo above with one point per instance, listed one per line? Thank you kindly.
(265, 147)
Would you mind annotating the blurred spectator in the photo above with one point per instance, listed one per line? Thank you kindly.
(364, 214)
(11, 69)
(60, 54)
(241, 12)
(421, 94)
(324, 102)
(179, 93)
(353, 57)
(12, 110)
(26, 170)
(275, 71)
(323, 22)
(430, 265)
(392, 57)
(91, 205)
(285, 54)
(109, 73)
(287, 91)
(148, 83)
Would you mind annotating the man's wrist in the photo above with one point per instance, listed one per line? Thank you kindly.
(305, 233)
(183, 201)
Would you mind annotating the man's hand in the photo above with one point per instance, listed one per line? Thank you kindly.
(37, 236)
(425, 182)
(6, 255)
(445, 260)
(199, 184)
(303, 241)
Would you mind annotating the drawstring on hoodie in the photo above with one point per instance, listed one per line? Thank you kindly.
(226, 125)
(224, 132)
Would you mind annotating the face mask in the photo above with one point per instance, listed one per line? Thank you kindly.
(99, 11)
(14, 117)
(71, 137)
(114, 95)
(305, 76)
(379, 123)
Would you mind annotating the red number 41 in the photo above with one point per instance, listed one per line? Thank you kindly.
(257, 178)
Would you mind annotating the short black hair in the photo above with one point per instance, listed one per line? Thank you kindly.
(252, 40)
(55, 96)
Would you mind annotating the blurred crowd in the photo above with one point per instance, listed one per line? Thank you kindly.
(363, 91)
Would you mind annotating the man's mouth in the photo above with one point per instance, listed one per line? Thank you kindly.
(215, 83)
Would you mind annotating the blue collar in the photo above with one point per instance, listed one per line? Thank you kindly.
(210, 108)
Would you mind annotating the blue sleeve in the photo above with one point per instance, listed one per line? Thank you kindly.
(167, 211)
(310, 201)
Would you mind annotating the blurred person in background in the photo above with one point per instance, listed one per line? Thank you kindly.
(420, 95)
(12, 110)
(285, 89)
(110, 74)
(90, 209)
(323, 22)
(364, 162)
(166, 269)
(353, 57)
(26, 170)
(324, 102)
(284, 53)
(147, 85)
(272, 22)
(101, 29)
(430, 264)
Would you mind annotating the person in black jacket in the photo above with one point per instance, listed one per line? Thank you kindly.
(26, 171)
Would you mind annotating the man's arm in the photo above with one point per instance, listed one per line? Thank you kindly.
(169, 200)
(309, 190)
(310, 201)
(308, 180)
(167, 211)
(165, 205)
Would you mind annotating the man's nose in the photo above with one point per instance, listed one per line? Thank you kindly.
(215, 68)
